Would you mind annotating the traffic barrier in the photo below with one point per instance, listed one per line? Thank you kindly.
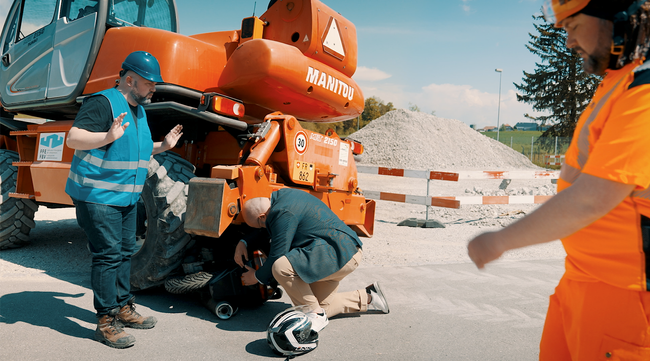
(453, 201)
(554, 159)
(456, 176)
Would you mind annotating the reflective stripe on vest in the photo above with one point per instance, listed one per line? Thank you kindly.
(107, 164)
(114, 176)
(105, 185)
(569, 173)
(583, 137)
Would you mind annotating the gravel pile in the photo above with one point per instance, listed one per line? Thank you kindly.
(415, 140)
(543, 190)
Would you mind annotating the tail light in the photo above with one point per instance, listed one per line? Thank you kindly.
(223, 105)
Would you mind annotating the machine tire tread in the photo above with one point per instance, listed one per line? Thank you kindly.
(16, 215)
(164, 197)
(187, 283)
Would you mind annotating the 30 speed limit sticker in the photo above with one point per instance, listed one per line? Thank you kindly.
(300, 142)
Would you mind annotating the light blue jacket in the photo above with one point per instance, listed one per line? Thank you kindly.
(114, 176)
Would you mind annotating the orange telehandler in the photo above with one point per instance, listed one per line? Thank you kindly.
(232, 91)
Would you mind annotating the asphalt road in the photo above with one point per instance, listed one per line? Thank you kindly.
(438, 312)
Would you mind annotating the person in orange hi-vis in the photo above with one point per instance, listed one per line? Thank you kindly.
(601, 308)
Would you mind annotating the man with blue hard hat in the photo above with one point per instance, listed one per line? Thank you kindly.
(113, 146)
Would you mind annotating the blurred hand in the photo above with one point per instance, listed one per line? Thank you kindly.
(117, 129)
(172, 137)
(485, 248)
(241, 254)
(248, 278)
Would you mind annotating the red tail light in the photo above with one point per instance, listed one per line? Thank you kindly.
(225, 106)
(222, 105)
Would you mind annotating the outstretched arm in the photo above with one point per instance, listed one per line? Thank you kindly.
(170, 140)
(84, 140)
(576, 207)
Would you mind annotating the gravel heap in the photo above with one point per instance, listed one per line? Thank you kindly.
(420, 141)
(531, 190)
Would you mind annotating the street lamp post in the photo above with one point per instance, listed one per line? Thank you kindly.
(500, 71)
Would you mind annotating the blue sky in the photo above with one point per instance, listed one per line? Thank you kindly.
(437, 54)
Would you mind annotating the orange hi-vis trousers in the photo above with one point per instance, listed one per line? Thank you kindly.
(596, 321)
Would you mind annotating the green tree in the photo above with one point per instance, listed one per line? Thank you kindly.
(558, 85)
(373, 109)
(414, 107)
(343, 129)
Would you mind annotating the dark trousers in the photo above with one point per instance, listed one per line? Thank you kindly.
(111, 234)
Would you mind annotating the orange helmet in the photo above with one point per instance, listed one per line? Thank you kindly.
(557, 10)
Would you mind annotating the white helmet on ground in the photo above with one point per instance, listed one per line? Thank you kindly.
(290, 333)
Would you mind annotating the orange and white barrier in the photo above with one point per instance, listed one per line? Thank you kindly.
(456, 176)
(456, 202)
(554, 159)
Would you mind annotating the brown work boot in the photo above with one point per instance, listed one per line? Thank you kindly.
(110, 333)
(130, 318)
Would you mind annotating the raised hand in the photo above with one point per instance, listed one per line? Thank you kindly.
(172, 137)
(117, 129)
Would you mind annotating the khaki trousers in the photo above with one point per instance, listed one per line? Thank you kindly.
(322, 293)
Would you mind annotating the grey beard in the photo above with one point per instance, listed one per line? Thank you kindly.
(142, 100)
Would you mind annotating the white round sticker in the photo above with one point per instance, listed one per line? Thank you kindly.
(301, 142)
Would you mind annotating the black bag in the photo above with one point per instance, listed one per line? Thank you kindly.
(227, 293)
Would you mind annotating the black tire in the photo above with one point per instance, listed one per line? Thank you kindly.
(161, 215)
(16, 214)
(188, 283)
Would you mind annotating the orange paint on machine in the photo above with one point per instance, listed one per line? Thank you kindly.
(238, 93)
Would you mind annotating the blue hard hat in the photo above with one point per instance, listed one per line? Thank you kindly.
(143, 64)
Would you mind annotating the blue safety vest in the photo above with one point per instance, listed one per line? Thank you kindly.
(114, 176)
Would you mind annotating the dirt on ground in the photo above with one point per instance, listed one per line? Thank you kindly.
(399, 139)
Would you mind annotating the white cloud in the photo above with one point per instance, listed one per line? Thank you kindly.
(473, 106)
(367, 74)
(466, 7)
(387, 92)
(462, 102)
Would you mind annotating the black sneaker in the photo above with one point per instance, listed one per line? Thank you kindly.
(378, 301)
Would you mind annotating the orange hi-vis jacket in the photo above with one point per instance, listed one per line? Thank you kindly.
(612, 141)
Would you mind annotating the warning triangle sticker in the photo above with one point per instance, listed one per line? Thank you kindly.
(332, 41)
(306, 39)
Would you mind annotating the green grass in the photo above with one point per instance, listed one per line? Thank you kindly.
(518, 137)
(521, 141)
